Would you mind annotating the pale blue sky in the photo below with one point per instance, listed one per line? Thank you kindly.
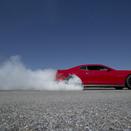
(62, 34)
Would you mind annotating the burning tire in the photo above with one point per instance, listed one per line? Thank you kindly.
(73, 80)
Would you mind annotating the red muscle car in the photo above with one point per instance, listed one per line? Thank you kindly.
(93, 75)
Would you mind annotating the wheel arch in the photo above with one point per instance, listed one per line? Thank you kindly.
(70, 76)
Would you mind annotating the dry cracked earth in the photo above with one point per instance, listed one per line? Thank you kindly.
(88, 110)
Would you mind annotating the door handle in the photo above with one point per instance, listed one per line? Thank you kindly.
(88, 73)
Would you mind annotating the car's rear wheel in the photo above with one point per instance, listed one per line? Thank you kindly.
(118, 88)
(73, 80)
(128, 82)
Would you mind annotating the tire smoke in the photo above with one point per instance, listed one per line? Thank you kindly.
(15, 76)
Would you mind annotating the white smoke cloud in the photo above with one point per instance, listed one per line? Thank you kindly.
(14, 75)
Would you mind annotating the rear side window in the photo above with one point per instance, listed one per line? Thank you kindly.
(93, 67)
(83, 68)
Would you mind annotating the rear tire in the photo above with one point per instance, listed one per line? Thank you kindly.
(128, 82)
(73, 79)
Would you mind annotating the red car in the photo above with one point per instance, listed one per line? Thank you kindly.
(97, 75)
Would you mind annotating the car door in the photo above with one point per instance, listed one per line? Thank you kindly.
(97, 76)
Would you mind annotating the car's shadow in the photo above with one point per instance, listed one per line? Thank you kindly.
(104, 89)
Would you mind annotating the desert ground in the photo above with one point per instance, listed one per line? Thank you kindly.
(87, 110)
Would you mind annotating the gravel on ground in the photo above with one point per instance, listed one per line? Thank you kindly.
(88, 110)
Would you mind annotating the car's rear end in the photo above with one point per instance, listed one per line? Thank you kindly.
(61, 75)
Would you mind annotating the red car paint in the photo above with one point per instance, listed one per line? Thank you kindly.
(96, 75)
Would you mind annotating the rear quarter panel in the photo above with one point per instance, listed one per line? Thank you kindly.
(61, 74)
